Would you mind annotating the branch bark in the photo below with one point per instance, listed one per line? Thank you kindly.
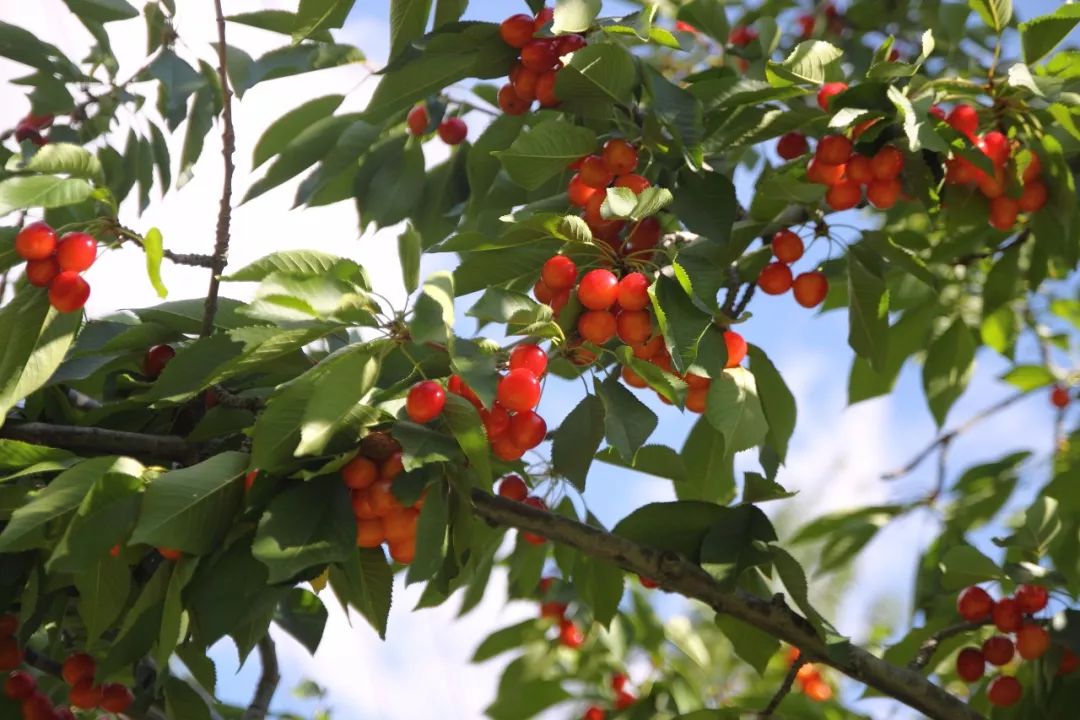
(100, 441)
(268, 681)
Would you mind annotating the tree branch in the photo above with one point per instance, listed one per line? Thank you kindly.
(783, 690)
(228, 146)
(100, 441)
(268, 681)
(931, 644)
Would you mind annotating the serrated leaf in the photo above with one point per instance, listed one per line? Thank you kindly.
(597, 77)
(812, 61)
(577, 439)
(410, 245)
(544, 151)
(710, 473)
(1040, 35)
(300, 263)
(733, 408)
(628, 422)
(365, 583)
(574, 16)
(963, 565)
(287, 127)
(334, 404)
(103, 592)
(302, 615)
(995, 13)
(313, 16)
(680, 320)
(676, 526)
(433, 316)
(776, 401)
(948, 367)
(468, 429)
(42, 191)
(1029, 377)
(868, 316)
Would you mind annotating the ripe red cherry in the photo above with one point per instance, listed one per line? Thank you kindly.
(594, 713)
(736, 348)
(156, 358)
(620, 156)
(40, 273)
(524, 82)
(644, 236)
(496, 421)
(8, 625)
(823, 174)
(1003, 691)
(775, 278)
(634, 327)
(115, 698)
(570, 634)
(806, 25)
(598, 289)
(883, 194)
(826, 93)
(40, 121)
(787, 247)
(26, 131)
(1003, 212)
(998, 650)
(697, 400)
(597, 326)
(542, 292)
(970, 664)
(741, 36)
(453, 130)
(510, 102)
(570, 43)
(68, 292)
(843, 195)
(85, 695)
(1033, 169)
(632, 292)
(1059, 397)
(505, 449)
(545, 88)
(519, 390)
(860, 169)
(1033, 197)
(618, 681)
(579, 193)
(530, 357)
(533, 538)
(634, 182)
(995, 146)
(1032, 641)
(886, 163)
(37, 707)
(595, 173)
(974, 604)
(517, 30)
(10, 654)
(19, 685)
(78, 667)
(459, 387)
(513, 487)
(559, 272)
(963, 119)
(833, 150)
(539, 55)
(545, 16)
(992, 185)
(36, 241)
(624, 700)
(791, 145)
(937, 113)
(425, 401)
(1069, 662)
(1031, 598)
(418, 120)
(1007, 615)
(527, 429)
(810, 288)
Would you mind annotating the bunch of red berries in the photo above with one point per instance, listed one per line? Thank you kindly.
(810, 288)
(380, 516)
(533, 75)
(833, 22)
(570, 633)
(622, 700)
(1020, 635)
(810, 680)
(512, 487)
(698, 386)
(451, 130)
(847, 173)
(614, 167)
(1004, 206)
(30, 127)
(57, 263)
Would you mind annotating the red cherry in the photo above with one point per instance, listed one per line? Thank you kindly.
(861, 127)
(995, 146)
(1003, 212)
(553, 610)
(510, 102)
(823, 174)
(514, 488)
(452, 131)
(806, 25)
(36, 241)
(826, 93)
(559, 272)
(624, 700)
(26, 131)
(632, 379)
(791, 145)
(579, 193)
(19, 685)
(741, 36)
(559, 300)
(425, 401)
(115, 698)
(648, 583)
(41, 122)
(545, 88)
(998, 650)
(530, 357)
(886, 163)
(974, 604)
(40, 273)
(1069, 662)
(860, 169)
(496, 421)
(570, 44)
(519, 390)
(68, 292)
(524, 82)
(595, 173)
(649, 349)
(37, 707)
(775, 278)
(883, 194)
(992, 185)
(1033, 197)
(844, 195)
(644, 236)
(970, 664)
(1007, 616)
(1033, 169)
(539, 55)
(78, 667)
(632, 292)
(418, 120)
(1059, 397)
(1032, 598)
(249, 481)
(542, 292)
(1003, 691)
(697, 400)
(594, 713)
(810, 288)
(170, 554)
(736, 348)
(461, 388)
(787, 247)
(527, 429)
(634, 182)
(1032, 641)
(618, 681)
(517, 30)
(620, 156)
(85, 695)
(597, 326)
(545, 16)
(963, 119)
(9, 624)
(634, 327)
(505, 449)
(156, 358)
(598, 289)
(570, 634)
(937, 113)
(833, 150)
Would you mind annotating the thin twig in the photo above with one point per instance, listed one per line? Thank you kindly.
(232, 400)
(228, 146)
(1004, 247)
(728, 308)
(932, 643)
(268, 681)
(783, 690)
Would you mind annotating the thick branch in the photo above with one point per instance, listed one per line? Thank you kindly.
(688, 579)
(92, 440)
(268, 681)
(228, 145)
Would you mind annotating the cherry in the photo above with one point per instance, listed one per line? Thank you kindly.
(992, 185)
(553, 610)
(844, 195)
(559, 272)
(156, 358)
(633, 182)
(1007, 615)
(26, 131)
(459, 387)
(513, 487)
(998, 650)
(620, 156)
(452, 131)
(78, 667)
(170, 554)
(36, 241)
(787, 247)
(545, 88)
(963, 119)
(391, 467)
(883, 194)
(959, 171)
(598, 289)
(539, 55)
(559, 300)
(597, 326)
(817, 690)
(697, 400)
(68, 292)
(570, 43)
(41, 122)
(579, 193)
(741, 36)
(382, 498)
(517, 30)
(530, 357)
(650, 348)
(1003, 691)
(974, 604)
(1003, 212)
(995, 146)
(810, 288)
(361, 505)
(527, 430)
(37, 707)
(826, 93)
(249, 481)
(861, 127)
(85, 695)
(648, 583)
(833, 150)
(19, 685)
(937, 113)
(570, 634)
(360, 473)
(418, 120)
(823, 174)
(379, 446)
(543, 17)
(425, 401)
(403, 552)
(775, 278)
(40, 273)
(618, 681)
(1069, 662)
(624, 700)
(542, 292)
(860, 169)
(115, 698)
(644, 236)
(1032, 641)
(519, 390)
(532, 538)
(806, 25)
(970, 664)
(1033, 169)
(791, 145)
(1032, 598)
(1033, 197)
(886, 163)
(594, 713)
(634, 327)
(594, 172)
(1059, 397)
(8, 625)
(496, 421)
(736, 348)
(524, 84)
(510, 102)
(400, 525)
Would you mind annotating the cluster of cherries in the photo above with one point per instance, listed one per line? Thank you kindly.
(380, 516)
(30, 127)
(512, 487)
(834, 23)
(77, 671)
(451, 130)
(623, 698)
(533, 75)
(1004, 208)
(57, 263)
(1012, 617)
(810, 680)
(809, 288)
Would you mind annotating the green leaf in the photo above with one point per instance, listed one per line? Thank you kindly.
(279, 21)
(658, 460)
(577, 439)
(173, 620)
(480, 270)
(845, 533)
(302, 150)
(995, 13)
(392, 192)
(628, 422)
(983, 490)
(346, 377)
(315, 15)
(963, 565)
(199, 123)
(758, 488)
(289, 126)
(155, 252)
(776, 401)
(183, 701)
(365, 582)
(191, 509)
(468, 429)
(709, 470)
(408, 18)
(44, 191)
(574, 16)
(618, 203)
(527, 699)
(430, 536)
(906, 336)
(1040, 35)
(103, 592)
(812, 61)
(299, 263)
(409, 248)
(1029, 377)
(544, 151)
(706, 204)
(708, 16)
(104, 519)
(290, 60)
(601, 587)
(868, 316)
(1001, 284)
(679, 526)
(508, 638)
(597, 77)
(302, 615)
(433, 317)
(1042, 523)
(60, 159)
(734, 410)
(102, 11)
(948, 367)
(754, 647)
(307, 525)
(139, 627)
(734, 543)
(194, 367)
(794, 578)
(681, 321)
